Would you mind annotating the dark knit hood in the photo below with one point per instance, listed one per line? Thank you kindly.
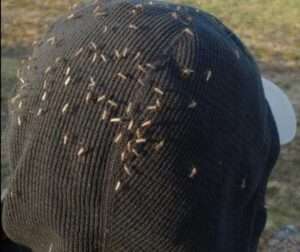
(139, 126)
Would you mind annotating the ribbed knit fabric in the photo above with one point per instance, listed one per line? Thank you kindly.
(139, 126)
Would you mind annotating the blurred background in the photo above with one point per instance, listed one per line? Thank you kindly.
(270, 28)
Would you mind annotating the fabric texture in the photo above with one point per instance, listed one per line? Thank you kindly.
(139, 126)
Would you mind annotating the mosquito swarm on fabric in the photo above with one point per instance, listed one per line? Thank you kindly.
(139, 126)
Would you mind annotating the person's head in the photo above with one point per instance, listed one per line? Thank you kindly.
(139, 126)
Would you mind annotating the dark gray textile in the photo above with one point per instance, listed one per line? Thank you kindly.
(139, 126)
